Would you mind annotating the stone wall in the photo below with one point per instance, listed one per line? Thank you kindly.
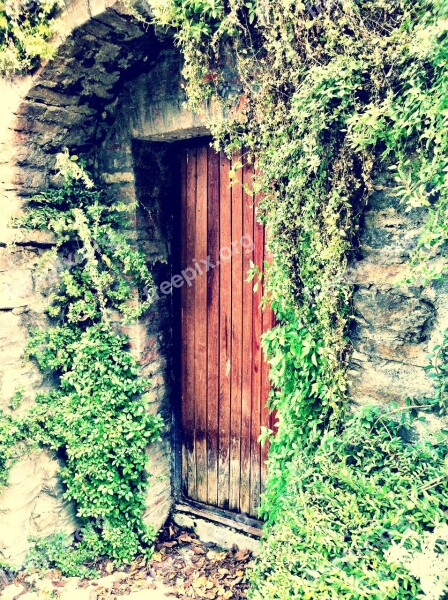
(395, 325)
(113, 94)
(91, 98)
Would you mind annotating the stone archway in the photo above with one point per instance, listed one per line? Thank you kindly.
(112, 82)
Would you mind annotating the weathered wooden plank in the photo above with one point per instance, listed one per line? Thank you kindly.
(213, 327)
(237, 338)
(246, 385)
(200, 285)
(249, 526)
(255, 455)
(189, 438)
(225, 337)
(268, 323)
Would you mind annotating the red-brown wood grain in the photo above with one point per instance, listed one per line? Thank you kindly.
(237, 338)
(248, 304)
(184, 316)
(213, 328)
(225, 333)
(225, 383)
(200, 324)
(257, 330)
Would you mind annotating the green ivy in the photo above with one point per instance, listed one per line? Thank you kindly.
(330, 92)
(438, 371)
(98, 418)
(56, 552)
(345, 505)
(26, 27)
(13, 434)
(95, 417)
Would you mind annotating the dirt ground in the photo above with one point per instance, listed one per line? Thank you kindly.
(181, 567)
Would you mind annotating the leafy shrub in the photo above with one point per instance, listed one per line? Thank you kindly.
(363, 489)
(26, 27)
(98, 418)
(56, 552)
(95, 417)
(13, 434)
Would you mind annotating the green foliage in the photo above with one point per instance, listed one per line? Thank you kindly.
(345, 505)
(95, 416)
(411, 126)
(199, 17)
(438, 371)
(17, 398)
(328, 93)
(98, 418)
(26, 27)
(13, 434)
(104, 271)
(56, 552)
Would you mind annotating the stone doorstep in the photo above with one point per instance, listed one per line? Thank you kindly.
(209, 531)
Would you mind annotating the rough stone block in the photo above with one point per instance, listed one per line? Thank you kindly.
(15, 377)
(14, 257)
(16, 289)
(159, 493)
(32, 505)
(13, 339)
(209, 532)
(120, 177)
(67, 117)
(52, 98)
(123, 29)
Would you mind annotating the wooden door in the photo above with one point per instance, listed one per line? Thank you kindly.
(224, 377)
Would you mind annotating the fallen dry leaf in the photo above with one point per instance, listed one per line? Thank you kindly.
(190, 568)
(109, 567)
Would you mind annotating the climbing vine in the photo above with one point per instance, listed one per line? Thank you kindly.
(330, 92)
(95, 416)
(26, 27)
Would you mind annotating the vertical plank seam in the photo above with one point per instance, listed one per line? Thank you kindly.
(242, 330)
(230, 336)
(218, 461)
(252, 360)
(194, 328)
(218, 275)
(262, 368)
(206, 325)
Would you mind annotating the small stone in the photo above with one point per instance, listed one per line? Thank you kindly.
(75, 594)
(108, 581)
(20, 310)
(45, 586)
(32, 504)
(47, 96)
(126, 177)
(12, 592)
(71, 583)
